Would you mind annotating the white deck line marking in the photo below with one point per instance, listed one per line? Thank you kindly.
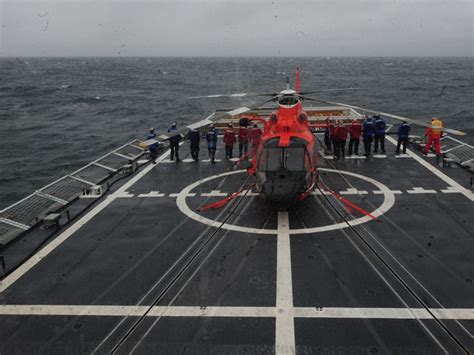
(402, 156)
(284, 325)
(125, 194)
(395, 192)
(245, 312)
(152, 194)
(437, 172)
(214, 193)
(207, 160)
(192, 194)
(35, 259)
(420, 190)
(355, 157)
(379, 156)
(353, 191)
(451, 190)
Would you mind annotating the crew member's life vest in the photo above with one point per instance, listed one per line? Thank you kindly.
(436, 126)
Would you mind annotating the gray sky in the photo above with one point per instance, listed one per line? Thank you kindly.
(237, 28)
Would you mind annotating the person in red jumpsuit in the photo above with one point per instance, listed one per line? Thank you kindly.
(340, 137)
(255, 134)
(355, 131)
(434, 135)
(243, 140)
(229, 140)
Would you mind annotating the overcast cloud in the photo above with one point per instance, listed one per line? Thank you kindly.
(237, 28)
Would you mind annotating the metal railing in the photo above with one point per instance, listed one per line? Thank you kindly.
(26, 213)
(460, 152)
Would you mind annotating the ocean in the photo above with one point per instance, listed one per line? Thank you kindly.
(58, 114)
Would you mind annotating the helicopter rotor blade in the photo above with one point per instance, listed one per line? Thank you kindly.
(242, 94)
(396, 117)
(183, 132)
(326, 90)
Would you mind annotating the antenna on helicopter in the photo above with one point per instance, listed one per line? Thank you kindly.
(287, 82)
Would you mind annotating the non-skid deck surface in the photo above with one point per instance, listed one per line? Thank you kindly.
(144, 272)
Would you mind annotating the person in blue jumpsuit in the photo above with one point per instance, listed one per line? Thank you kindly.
(211, 138)
(403, 132)
(174, 142)
(368, 135)
(152, 147)
(379, 134)
(194, 139)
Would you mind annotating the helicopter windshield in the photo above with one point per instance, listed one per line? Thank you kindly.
(291, 158)
(288, 100)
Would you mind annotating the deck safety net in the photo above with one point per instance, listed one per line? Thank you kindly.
(26, 213)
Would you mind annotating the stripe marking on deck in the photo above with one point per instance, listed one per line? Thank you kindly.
(284, 328)
(196, 311)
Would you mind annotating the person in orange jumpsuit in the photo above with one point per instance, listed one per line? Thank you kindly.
(434, 135)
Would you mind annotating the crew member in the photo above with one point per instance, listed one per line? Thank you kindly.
(403, 132)
(174, 142)
(434, 135)
(333, 135)
(255, 135)
(379, 134)
(243, 140)
(152, 147)
(368, 135)
(355, 131)
(327, 138)
(340, 140)
(229, 140)
(211, 138)
(194, 139)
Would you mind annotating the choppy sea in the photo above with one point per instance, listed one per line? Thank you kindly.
(57, 114)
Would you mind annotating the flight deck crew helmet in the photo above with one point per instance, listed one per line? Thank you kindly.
(152, 129)
(173, 124)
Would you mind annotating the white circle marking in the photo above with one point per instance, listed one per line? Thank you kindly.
(389, 201)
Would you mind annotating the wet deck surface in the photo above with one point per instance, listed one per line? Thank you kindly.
(149, 274)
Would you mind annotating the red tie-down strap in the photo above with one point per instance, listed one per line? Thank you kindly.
(349, 205)
(220, 203)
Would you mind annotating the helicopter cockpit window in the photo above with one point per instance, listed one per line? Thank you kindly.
(273, 159)
(294, 158)
(288, 100)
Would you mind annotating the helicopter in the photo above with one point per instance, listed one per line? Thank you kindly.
(285, 161)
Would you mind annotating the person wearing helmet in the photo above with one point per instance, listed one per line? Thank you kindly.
(434, 134)
(174, 142)
(153, 148)
(211, 138)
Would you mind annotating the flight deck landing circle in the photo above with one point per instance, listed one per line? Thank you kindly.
(388, 202)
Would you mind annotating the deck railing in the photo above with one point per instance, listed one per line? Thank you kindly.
(28, 212)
